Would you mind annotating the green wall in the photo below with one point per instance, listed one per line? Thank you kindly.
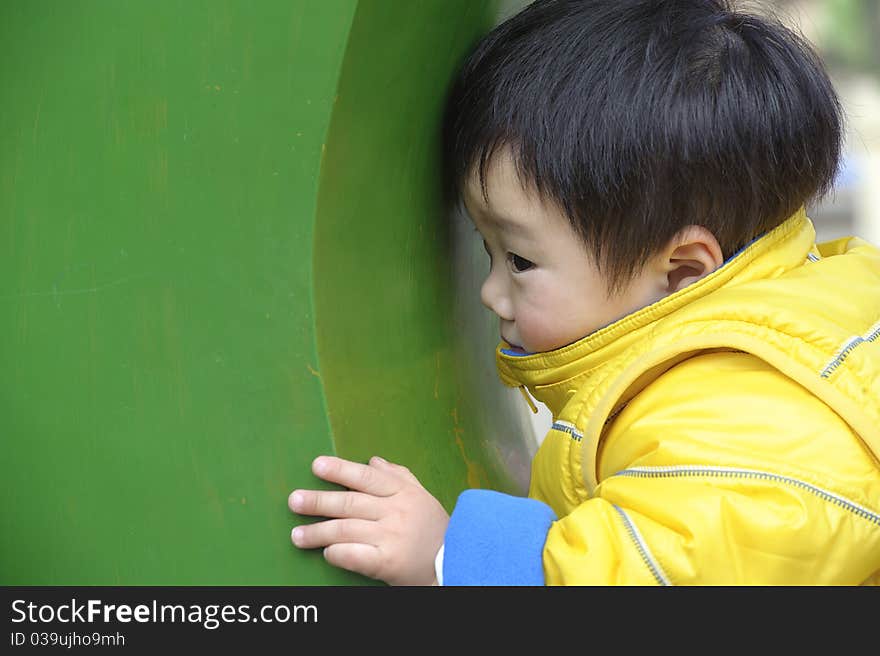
(221, 254)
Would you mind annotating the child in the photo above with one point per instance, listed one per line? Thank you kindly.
(638, 170)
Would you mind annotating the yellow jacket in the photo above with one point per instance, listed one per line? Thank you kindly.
(727, 434)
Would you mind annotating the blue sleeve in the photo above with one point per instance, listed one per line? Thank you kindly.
(495, 539)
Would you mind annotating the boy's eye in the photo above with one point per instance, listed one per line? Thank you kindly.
(520, 264)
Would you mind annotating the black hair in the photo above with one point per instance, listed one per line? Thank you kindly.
(637, 118)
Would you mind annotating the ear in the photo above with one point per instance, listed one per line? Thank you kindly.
(692, 254)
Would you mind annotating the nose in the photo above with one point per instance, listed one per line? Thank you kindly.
(494, 296)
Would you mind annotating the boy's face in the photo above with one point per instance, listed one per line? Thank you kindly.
(542, 284)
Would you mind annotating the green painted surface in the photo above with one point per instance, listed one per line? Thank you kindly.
(391, 363)
(175, 352)
(158, 174)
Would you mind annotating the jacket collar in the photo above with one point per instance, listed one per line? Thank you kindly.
(554, 376)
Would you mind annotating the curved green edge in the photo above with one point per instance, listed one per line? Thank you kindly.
(159, 188)
(388, 336)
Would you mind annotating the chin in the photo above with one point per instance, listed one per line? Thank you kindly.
(513, 346)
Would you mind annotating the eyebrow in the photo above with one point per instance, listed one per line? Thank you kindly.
(506, 222)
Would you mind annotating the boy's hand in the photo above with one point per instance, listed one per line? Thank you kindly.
(386, 526)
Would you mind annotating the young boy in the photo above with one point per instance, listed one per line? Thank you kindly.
(638, 171)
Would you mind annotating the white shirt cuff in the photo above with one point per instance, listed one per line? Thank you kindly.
(438, 566)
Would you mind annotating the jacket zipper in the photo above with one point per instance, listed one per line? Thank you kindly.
(736, 472)
(872, 334)
(723, 472)
(642, 547)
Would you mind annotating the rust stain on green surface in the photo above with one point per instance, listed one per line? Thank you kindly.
(475, 472)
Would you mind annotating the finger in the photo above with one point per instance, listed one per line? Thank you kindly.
(333, 531)
(334, 504)
(355, 476)
(360, 558)
(399, 470)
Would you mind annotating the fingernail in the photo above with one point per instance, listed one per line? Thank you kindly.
(297, 535)
(297, 500)
(320, 466)
(379, 459)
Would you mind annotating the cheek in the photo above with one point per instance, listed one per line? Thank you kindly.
(544, 334)
(538, 327)
(550, 321)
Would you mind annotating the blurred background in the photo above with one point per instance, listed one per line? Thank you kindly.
(846, 34)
